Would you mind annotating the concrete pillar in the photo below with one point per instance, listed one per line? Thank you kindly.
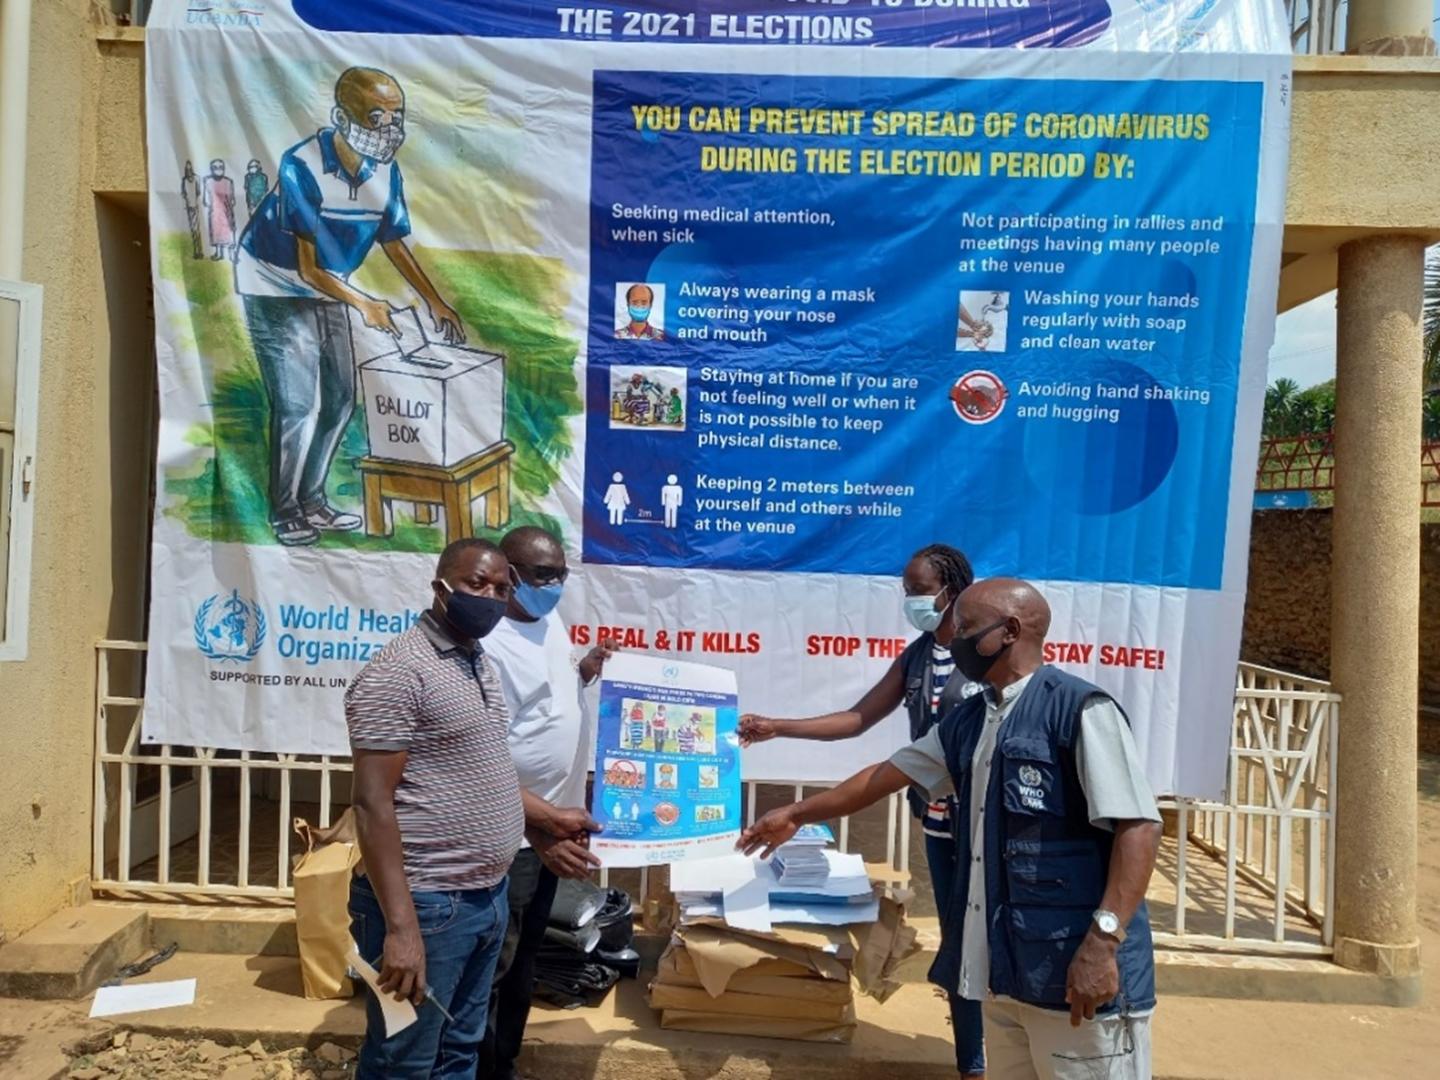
(1390, 28)
(1376, 600)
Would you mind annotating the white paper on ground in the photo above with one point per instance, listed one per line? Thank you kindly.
(141, 997)
(399, 1015)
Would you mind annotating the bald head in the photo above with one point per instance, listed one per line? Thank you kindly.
(361, 91)
(999, 631)
(1007, 598)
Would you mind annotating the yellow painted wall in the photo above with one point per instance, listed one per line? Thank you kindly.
(89, 503)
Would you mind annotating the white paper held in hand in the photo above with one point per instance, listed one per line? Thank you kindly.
(399, 1015)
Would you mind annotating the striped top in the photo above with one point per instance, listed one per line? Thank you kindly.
(458, 801)
(936, 821)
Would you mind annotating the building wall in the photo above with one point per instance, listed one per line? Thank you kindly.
(1287, 609)
(85, 242)
(89, 515)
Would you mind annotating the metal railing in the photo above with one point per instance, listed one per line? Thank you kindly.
(1307, 463)
(1273, 836)
(163, 812)
(1316, 26)
(1253, 872)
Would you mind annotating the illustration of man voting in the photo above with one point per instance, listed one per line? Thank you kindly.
(338, 194)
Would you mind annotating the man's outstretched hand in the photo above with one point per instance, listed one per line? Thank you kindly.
(772, 830)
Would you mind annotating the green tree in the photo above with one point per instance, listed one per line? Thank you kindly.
(1279, 406)
(1430, 416)
(1314, 410)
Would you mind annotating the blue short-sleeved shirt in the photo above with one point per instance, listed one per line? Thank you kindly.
(316, 198)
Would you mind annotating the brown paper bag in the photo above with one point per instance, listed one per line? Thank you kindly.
(322, 894)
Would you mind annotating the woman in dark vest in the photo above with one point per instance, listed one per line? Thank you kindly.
(920, 680)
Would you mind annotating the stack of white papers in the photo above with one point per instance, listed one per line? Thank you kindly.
(802, 867)
(751, 895)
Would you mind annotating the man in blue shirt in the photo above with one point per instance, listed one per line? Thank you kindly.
(339, 193)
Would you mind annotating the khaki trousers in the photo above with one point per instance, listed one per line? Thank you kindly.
(1023, 1042)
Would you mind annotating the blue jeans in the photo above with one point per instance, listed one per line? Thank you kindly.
(463, 934)
(965, 1016)
(308, 367)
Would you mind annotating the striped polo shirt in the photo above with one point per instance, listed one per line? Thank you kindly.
(458, 801)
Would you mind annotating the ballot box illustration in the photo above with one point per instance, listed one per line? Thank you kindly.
(435, 417)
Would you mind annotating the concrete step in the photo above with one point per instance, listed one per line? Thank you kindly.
(73, 952)
(259, 930)
(1277, 978)
(95, 940)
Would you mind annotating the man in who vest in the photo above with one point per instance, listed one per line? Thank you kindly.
(1059, 829)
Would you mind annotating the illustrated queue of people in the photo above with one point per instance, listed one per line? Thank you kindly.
(470, 734)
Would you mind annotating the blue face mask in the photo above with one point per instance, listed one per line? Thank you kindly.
(538, 600)
(639, 314)
(923, 614)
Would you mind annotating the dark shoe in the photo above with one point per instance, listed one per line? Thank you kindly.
(296, 533)
(332, 520)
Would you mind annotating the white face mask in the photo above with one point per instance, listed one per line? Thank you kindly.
(923, 614)
(378, 144)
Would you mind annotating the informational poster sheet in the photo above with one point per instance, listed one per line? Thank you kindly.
(667, 762)
(746, 301)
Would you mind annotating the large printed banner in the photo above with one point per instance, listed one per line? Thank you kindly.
(747, 300)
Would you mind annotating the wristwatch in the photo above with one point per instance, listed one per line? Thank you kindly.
(1108, 923)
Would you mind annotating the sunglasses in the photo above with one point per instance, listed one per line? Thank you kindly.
(543, 575)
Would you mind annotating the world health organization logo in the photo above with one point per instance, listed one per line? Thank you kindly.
(229, 628)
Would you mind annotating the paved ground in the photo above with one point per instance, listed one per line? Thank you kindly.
(1196, 1039)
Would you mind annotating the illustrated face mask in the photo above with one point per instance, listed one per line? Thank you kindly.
(639, 314)
(379, 143)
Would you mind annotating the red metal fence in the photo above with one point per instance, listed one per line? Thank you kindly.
(1307, 463)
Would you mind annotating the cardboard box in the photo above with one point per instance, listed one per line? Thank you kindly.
(678, 962)
(758, 1027)
(735, 1003)
(718, 954)
(676, 970)
(871, 951)
(427, 402)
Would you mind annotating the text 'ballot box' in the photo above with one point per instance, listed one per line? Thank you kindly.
(427, 402)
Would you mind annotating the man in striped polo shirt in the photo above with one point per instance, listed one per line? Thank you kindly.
(440, 816)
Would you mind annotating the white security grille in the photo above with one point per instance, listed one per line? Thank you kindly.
(1252, 873)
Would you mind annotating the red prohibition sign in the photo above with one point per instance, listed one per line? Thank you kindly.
(978, 397)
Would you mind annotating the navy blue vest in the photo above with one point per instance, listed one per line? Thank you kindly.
(917, 668)
(1045, 864)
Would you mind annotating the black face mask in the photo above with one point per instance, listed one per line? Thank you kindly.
(473, 616)
(969, 661)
